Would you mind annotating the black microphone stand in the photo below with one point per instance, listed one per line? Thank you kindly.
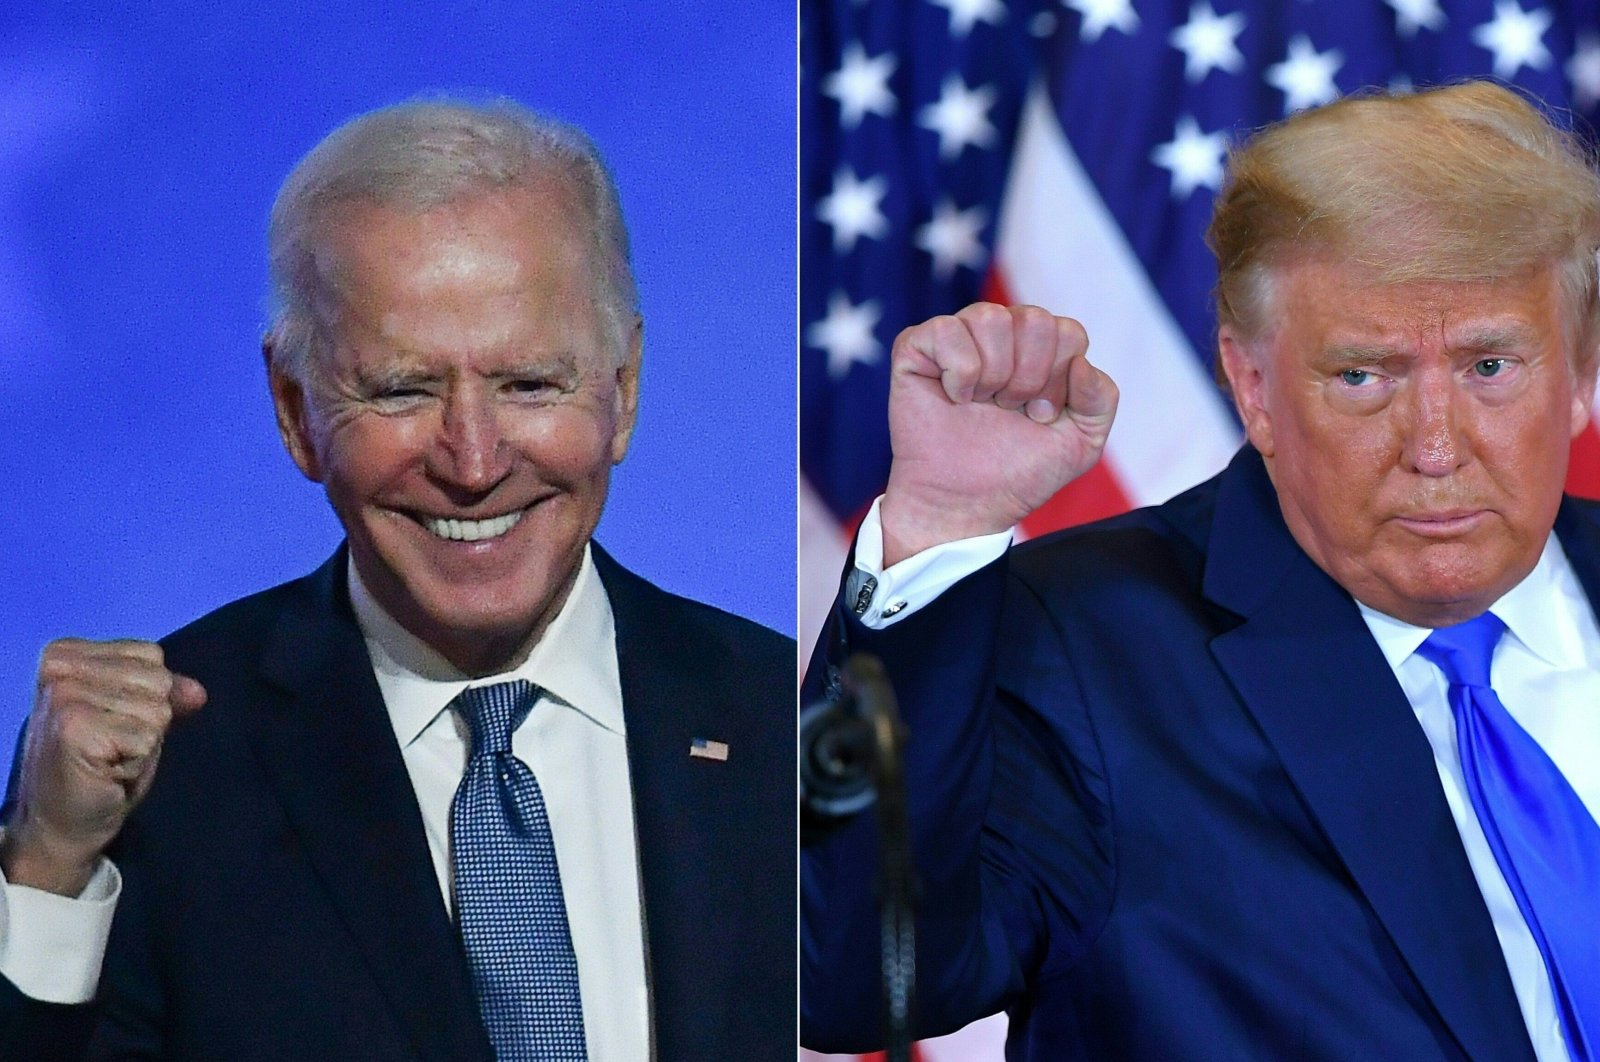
(850, 755)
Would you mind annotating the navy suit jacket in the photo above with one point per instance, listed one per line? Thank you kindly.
(279, 900)
(1169, 802)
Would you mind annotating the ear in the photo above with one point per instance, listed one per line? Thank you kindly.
(626, 397)
(1248, 382)
(289, 402)
(1583, 393)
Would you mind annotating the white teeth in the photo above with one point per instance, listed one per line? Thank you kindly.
(472, 530)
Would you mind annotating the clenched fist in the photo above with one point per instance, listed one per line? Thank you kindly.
(100, 714)
(991, 411)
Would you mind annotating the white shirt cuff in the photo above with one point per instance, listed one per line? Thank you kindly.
(881, 597)
(51, 947)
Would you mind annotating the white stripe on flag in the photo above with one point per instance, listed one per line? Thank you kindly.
(823, 549)
(982, 1041)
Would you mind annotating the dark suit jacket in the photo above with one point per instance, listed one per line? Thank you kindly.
(1169, 803)
(279, 902)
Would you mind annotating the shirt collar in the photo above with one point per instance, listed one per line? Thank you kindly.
(574, 662)
(1536, 612)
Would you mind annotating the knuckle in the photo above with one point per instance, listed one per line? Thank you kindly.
(1033, 317)
(54, 669)
(1072, 333)
(920, 339)
(953, 343)
(991, 327)
(134, 648)
(945, 331)
(907, 342)
(66, 693)
(60, 657)
(985, 314)
(67, 645)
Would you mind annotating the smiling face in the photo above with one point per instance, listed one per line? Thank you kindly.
(467, 413)
(1417, 433)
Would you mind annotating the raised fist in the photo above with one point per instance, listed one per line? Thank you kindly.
(991, 411)
(93, 741)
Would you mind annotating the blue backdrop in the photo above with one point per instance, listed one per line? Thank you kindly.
(139, 153)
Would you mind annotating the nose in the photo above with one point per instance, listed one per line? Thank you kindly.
(1434, 443)
(471, 452)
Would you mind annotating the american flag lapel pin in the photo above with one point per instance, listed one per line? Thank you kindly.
(708, 750)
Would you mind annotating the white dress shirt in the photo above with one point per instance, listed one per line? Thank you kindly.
(574, 742)
(1546, 670)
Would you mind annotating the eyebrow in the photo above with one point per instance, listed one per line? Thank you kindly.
(1486, 339)
(1350, 357)
(1503, 337)
(564, 364)
(560, 367)
(390, 376)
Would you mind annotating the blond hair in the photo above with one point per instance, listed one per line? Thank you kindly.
(1460, 183)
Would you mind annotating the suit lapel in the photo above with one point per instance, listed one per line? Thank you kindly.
(1310, 672)
(678, 804)
(331, 754)
(1579, 533)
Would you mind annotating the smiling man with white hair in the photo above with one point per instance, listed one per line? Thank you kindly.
(472, 789)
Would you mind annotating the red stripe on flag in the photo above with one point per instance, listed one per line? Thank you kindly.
(880, 1056)
(1093, 495)
(1583, 473)
(994, 288)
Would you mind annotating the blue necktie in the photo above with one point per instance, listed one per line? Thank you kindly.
(1545, 840)
(509, 905)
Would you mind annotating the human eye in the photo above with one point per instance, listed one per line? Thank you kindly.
(1487, 367)
(530, 389)
(1357, 377)
(537, 385)
(398, 396)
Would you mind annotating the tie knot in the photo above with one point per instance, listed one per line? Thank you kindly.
(1463, 652)
(493, 713)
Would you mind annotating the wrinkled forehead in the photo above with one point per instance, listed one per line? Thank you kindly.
(1351, 302)
(467, 283)
(497, 238)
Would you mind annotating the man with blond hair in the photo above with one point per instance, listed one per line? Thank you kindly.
(471, 790)
(1304, 763)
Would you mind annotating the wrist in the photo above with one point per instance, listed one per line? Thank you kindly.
(911, 526)
(33, 858)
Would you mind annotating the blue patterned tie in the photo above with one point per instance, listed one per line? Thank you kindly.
(509, 906)
(1545, 840)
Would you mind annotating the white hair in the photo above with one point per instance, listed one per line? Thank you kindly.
(424, 154)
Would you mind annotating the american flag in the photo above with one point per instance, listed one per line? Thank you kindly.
(708, 750)
(1065, 153)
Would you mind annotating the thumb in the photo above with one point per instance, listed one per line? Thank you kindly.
(187, 696)
(1091, 395)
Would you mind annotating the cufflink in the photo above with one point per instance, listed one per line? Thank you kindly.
(858, 590)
